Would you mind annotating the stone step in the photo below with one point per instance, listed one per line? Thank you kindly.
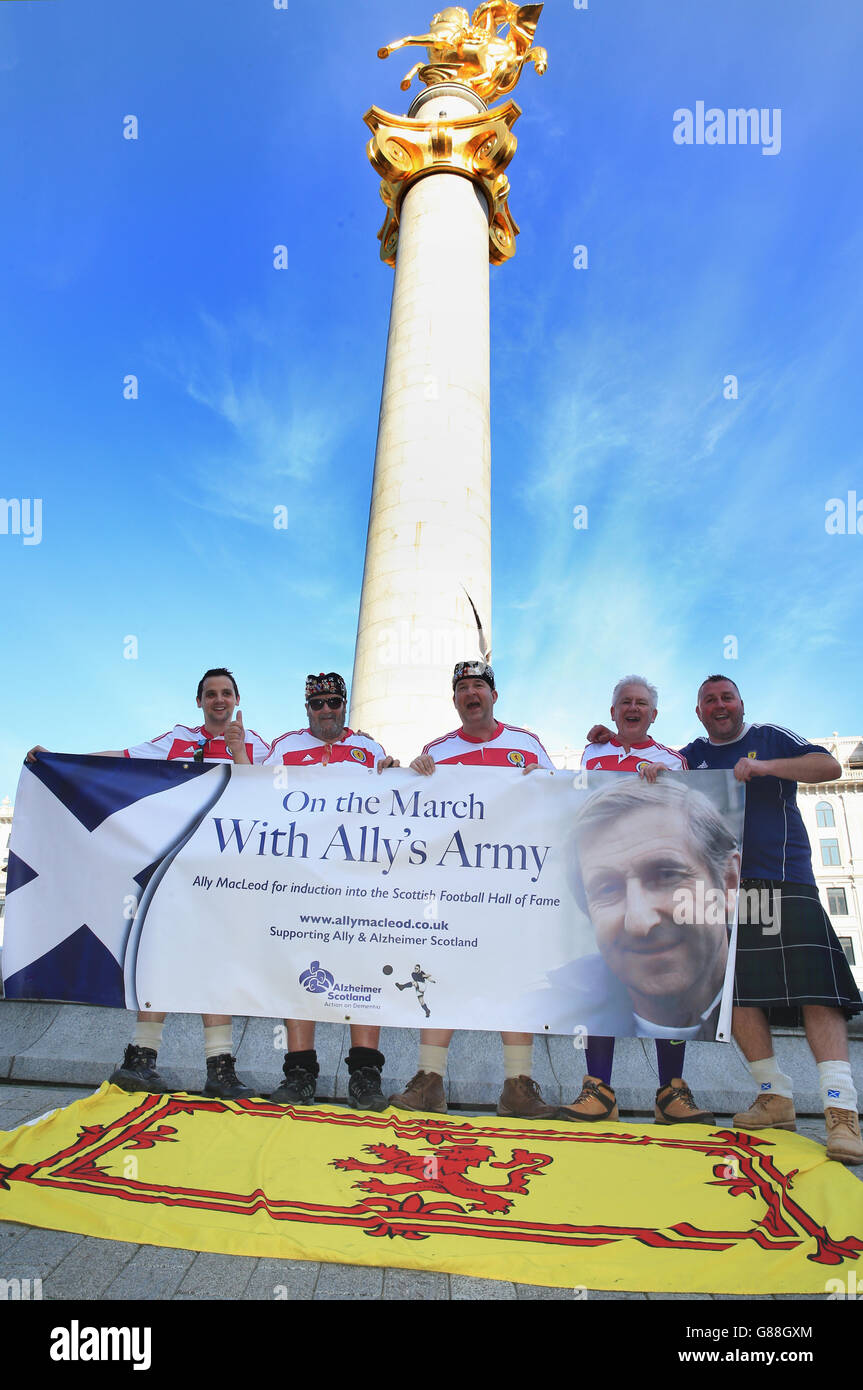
(72, 1044)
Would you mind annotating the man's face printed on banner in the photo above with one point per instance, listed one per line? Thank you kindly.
(632, 869)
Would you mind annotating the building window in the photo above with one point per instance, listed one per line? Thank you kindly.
(837, 903)
(824, 814)
(830, 854)
(847, 945)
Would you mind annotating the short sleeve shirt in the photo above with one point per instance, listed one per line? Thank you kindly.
(612, 756)
(302, 749)
(183, 742)
(775, 843)
(508, 747)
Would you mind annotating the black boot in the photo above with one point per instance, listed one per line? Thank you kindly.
(364, 1088)
(301, 1073)
(137, 1071)
(222, 1079)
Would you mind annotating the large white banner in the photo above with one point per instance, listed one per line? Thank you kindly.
(474, 898)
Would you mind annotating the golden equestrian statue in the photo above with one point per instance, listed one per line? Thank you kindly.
(474, 51)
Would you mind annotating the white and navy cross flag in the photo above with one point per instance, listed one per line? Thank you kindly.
(88, 836)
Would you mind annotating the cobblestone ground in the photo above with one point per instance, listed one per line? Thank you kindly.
(83, 1267)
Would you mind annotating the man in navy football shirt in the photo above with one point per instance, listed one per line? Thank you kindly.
(790, 964)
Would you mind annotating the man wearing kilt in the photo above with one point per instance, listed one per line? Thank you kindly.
(790, 966)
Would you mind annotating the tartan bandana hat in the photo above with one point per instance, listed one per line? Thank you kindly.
(329, 684)
(480, 670)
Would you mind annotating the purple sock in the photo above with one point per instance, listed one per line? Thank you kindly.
(669, 1058)
(599, 1057)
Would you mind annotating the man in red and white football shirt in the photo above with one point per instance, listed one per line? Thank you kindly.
(218, 738)
(326, 741)
(481, 740)
(634, 705)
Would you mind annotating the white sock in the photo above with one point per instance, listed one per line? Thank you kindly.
(517, 1060)
(769, 1079)
(147, 1035)
(433, 1058)
(837, 1086)
(218, 1038)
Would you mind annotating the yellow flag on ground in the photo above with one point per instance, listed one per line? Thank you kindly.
(611, 1206)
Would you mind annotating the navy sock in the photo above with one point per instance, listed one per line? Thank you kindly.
(669, 1059)
(599, 1057)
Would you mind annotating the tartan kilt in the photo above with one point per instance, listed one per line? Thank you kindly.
(801, 963)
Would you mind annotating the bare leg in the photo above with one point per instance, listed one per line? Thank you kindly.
(826, 1033)
(752, 1033)
(151, 1018)
(516, 1039)
(437, 1037)
(301, 1034)
(363, 1035)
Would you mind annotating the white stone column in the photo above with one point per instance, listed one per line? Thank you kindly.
(429, 536)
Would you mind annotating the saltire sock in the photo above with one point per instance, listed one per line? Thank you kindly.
(599, 1058)
(218, 1038)
(837, 1086)
(770, 1080)
(433, 1058)
(670, 1056)
(517, 1060)
(148, 1035)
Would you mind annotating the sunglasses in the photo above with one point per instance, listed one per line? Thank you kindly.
(332, 702)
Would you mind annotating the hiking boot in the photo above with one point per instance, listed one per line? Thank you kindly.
(423, 1092)
(137, 1071)
(522, 1097)
(298, 1087)
(364, 1089)
(843, 1135)
(675, 1106)
(222, 1080)
(767, 1112)
(597, 1101)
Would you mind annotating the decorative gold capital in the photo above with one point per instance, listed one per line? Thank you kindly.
(477, 147)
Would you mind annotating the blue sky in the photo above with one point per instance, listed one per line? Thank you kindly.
(260, 387)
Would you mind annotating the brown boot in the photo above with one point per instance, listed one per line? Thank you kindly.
(423, 1092)
(844, 1142)
(596, 1102)
(767, 1112)
(676, 1106)
(522, 1097)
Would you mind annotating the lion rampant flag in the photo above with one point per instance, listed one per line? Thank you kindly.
(613, 1206)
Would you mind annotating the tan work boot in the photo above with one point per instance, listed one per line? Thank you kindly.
(767, 1112)
(675, 1106)
(522, 1097)
(844, 1142)
(423, 1092)
(596, 1102)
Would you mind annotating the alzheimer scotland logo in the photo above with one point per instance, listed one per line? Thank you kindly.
(316, 980)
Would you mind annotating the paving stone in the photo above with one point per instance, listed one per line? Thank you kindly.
(603, 1295)
(153, 1272)
(349, 1282)
(282, 1280)
(409, 1284)
(88, 1269)
(665, 1296)
(466, 1287)
(219, 1276)
(540, 1291)
(38, 1252)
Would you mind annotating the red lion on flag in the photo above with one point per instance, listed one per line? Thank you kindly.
(444, 1170)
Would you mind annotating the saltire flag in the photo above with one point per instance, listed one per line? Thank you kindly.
(610, 1206)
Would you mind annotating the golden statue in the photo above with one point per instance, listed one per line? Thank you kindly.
(474, 51)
